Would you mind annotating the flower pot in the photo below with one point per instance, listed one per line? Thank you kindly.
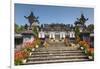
(33, 49)
(90, 57)
(24, 61)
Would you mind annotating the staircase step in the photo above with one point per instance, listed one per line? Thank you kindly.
(47, 52)
(56, 48)
(55, 57)
(56, 54)
(41, 50)
(55, 61)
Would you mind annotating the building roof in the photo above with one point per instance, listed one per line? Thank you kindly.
(18, 35)
(29, 32)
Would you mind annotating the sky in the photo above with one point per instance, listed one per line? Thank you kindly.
(52, 14)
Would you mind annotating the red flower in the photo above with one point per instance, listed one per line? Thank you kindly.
(18, 55)
(91, 50)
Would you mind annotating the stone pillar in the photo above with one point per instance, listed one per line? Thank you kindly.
(41, 35)
(52, 35)
(62, 35)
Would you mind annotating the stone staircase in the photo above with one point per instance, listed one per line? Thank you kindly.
(56, 53)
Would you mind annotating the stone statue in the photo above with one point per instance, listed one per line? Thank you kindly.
(31, 18)
(81, 20)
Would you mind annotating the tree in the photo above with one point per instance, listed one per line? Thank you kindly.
(41, 25)
(91, 27)
(21, 28)
(77, 31)
(26, 27)
(16, 28)
(35, 31)
(71, 26)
